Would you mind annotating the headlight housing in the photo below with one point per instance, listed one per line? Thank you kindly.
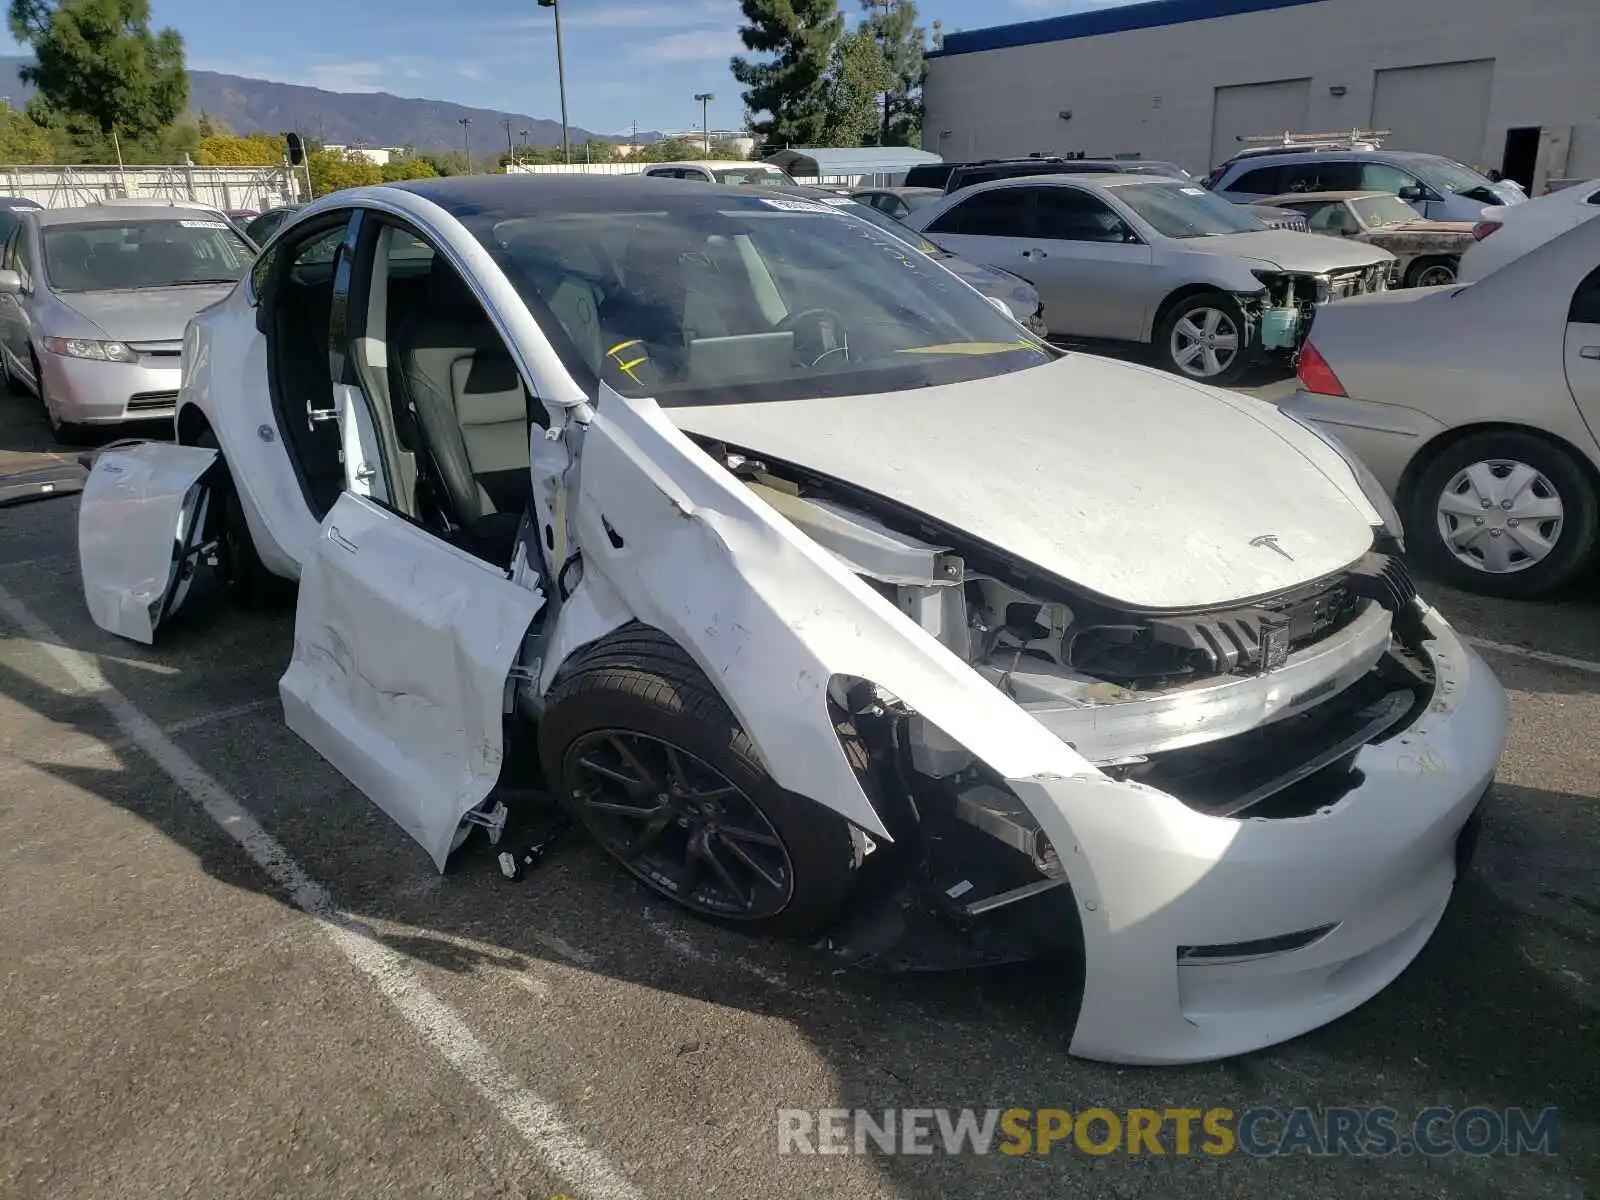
(88, 348)
(1370, 487)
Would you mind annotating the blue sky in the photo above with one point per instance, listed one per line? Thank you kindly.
(626, 59)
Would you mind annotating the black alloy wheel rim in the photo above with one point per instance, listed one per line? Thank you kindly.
(679, 825)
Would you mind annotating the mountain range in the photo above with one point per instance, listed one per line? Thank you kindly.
(346, 118)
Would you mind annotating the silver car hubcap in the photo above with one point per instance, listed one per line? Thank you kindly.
(1205, 342)
(1435, 276)
(1500, 516)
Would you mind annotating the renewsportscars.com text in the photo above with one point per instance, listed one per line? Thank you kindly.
(1260, 1132)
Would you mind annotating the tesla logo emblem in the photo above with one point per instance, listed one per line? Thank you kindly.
(1270, 541)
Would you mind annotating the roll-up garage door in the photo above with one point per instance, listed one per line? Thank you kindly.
(1442, 108)
(1257, 108)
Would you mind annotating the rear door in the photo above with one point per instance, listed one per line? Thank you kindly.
(993, 226)
(1582, 349)
(403, 643)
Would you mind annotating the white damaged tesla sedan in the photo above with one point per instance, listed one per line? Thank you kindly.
(827, 598)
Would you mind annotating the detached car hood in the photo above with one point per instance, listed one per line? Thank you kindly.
(1124, 481)
(1291, 250)
(144, 314)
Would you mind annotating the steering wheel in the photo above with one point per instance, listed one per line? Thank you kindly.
(829, 334)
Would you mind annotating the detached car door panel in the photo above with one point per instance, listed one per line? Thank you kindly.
(142, 519)
(402, 650)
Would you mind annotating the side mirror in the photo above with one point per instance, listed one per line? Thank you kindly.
(10, 283)
(1412, 192)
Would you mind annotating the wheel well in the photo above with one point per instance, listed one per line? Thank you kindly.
(191, 424)
(1422, 261)
(1178, 297)
(1420, 460)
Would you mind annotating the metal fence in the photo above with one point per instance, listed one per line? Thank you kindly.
(259, 188)
(864, 179)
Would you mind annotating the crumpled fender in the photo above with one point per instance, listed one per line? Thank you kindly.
(769, 615)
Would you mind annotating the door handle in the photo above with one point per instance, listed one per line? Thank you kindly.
(1590, 352)
(339, 539)
(1034, 253)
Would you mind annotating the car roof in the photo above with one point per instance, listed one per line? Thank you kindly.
(719, 164)
(116, 214)
(516, 195)
(899, 191)
(1089, 179)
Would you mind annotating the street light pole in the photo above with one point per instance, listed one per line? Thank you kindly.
(466, 139)
(705, 99)
(561, 78)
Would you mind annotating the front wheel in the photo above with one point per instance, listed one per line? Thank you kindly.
(1503, 513)
(68, 433)
(1205, 338)
(1431, 272)
(651, 761)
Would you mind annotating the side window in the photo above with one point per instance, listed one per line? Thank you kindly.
(895, 207)
(1330, 218)
(1321, 176)
(1065, 214)
(8, 261)
(25, 265)
(1263, 181)
(1585, 308)
(1003, 212)
(1381, 177)
(447, 393)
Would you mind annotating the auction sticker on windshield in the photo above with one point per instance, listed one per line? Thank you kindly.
(203, 224)
(1193, 191)
(796, 205)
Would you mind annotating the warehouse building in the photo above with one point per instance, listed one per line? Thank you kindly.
(1507, 84)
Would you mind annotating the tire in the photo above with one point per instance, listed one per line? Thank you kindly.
(1554, 503)
(1431, 272)
(636, 692)
(1206, 314)
(246, 580)
(67, 433)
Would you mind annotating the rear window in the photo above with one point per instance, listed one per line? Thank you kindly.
(1263, 181)
(745, 176)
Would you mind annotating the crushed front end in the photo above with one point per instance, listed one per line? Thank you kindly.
(1281, 314)
(1267, 831)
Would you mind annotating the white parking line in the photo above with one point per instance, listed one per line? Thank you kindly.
(563, 1151)
(1543, 656)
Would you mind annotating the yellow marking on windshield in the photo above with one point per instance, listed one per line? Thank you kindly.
(969, 348)
(630, 365)
(622, 345)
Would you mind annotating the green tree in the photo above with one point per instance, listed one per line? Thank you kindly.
(225, 150)
(893, 25)
(790, 84)
(409, 167)
(23, 140)
(333, 172)
(857, 77)
(98, 65)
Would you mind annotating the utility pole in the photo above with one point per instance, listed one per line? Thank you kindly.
(466, 139)
(705, 99)
(561, 79)
(511, 150)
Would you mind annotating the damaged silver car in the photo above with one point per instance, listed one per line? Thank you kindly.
(1131, 258)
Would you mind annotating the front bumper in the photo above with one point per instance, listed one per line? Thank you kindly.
(86, 391)
(1376, 868)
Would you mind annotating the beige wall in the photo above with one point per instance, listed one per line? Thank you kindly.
(1152, 91)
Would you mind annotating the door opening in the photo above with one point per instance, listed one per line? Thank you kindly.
(1521, 155)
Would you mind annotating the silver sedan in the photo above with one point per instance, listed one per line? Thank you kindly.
(94, 301)
(1477, 407)
(1136, 258)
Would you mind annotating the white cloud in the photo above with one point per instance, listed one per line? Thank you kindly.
(710, 45)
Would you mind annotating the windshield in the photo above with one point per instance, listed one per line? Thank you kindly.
(1448, 174)
(754, 175)
(143, 254)
(1383, 210)
(883, 221)
(1183, 210)
(748, 298)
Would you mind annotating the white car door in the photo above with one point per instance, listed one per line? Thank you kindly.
(403, 644)
(403, 648)
(1582, 349)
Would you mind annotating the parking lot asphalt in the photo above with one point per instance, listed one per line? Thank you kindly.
(225, 973)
